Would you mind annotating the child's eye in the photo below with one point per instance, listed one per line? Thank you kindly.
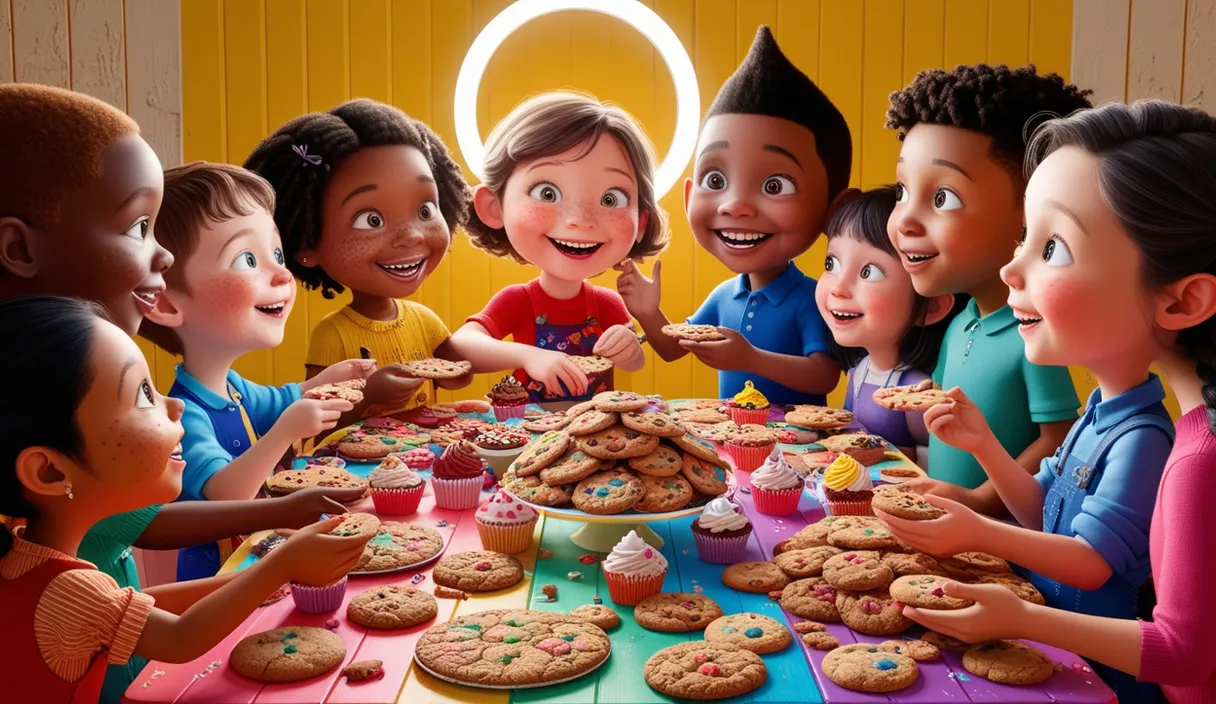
(946, 199)
(427, 210)
(871, 272)
(139, 230)
(368, 220)
(245, 260)
(146, 398)
(1055, 252)
(779, 186)
(901, 193)
(545, 193)
(831, 263)
(713, 180)
(278, 257)
(615, 198)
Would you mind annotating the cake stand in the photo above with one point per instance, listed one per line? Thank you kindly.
(602, 533)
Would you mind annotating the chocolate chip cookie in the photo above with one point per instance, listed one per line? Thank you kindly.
(541, 453)
(288, 654)
(754, 632)
(398, 545)
(663, 494)
(904, 504)
(392, 606)
(873, 612)
(591, 421)
(534, 491)
(927, 592)
(478, 571)
(1021, 588)
(598, 614)
(676, 613)
(700, 449)
(860, 533)
(865, 667)
(620, 401)
(807, 562)
(1008, 662)
(617, 443)
(918, 650)
(945, 642)
(755, 577)
(906, 563)
(608, 492)
(811, 598)
(705, 477)
(663, 462)
(652, 423)
(857, 570)
(704, 670)
(813, 535)
(573, 466)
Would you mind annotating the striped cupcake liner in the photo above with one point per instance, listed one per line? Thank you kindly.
(318, 600)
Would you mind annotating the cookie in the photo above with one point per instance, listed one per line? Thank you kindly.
(705, 477)
(357, 524)
(916, 397)
(592, 421)
(592, 363)
(904, 563)
(811, 598)
(918, 650)
(534, 491)
(864, 667)
(695, 333)
(364, 446)
(944, 642)
(927, 592)
(598, 614)
(755, 577)
(510, 648)
(904, 504)
(437, 368)
(1008, 662)
(807, 562)
(754, 632)
(546, 422)
(663, 494)
(676, 613)
(704, 670)
(713, 432)
(700, 449)
(809, 627)
(857, 570)
(351, 391)
(860, 533)
(364, 670)
(580, 408)
(712, 404)
(617, 443)
(970, 563)
(392, 606)
(1021, 588)
(818, 417)
(701, 415)
(397, 545)
(608, 492)
(814, 535)
(571, 467)
(620, 401)
(287, 654)
(293, 480)
(653, 423)
(448, 593)
(478, 571)
(750, 435)
(872, 612)
(820, 640)
(542, 452)
(663, 462)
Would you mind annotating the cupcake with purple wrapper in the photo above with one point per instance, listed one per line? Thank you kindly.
(318, 600)
(721, 532)
(508, 399)
(776, 486)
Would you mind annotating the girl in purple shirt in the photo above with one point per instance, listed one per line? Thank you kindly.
(883, 332)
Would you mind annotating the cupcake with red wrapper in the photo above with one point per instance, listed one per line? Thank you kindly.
(633, 571)
(748, 445)
(318, 600)
(847, 488)
(508, 398)
(418, 459)
(749, 406)
(505, 524)
(721, 532)
(396, 488)
(457, 476)
(776, 486)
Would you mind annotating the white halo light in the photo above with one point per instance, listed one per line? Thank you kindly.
(632, 12)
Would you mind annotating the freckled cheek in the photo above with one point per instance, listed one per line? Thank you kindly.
(230, 293)
(341, 251)
(528, 220)
(620, 223)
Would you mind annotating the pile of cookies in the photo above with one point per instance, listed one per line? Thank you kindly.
(614, 453)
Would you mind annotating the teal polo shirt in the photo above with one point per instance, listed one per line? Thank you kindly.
(986, 358)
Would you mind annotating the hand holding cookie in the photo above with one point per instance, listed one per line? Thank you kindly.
(733, 353)
(959, 423)
(313, 557)
(959, 530)
(347, 370)
(996, 613)
(308, 417)
(620, 344)
(555, 369)
(391, 387)
(304, 507)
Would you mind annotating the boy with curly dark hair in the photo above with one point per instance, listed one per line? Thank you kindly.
(957, 221)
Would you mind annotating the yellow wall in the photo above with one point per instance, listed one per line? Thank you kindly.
(250, 65)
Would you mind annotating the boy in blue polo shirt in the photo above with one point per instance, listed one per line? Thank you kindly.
(773, 160)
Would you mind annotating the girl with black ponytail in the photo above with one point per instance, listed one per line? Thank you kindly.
(1139, 178)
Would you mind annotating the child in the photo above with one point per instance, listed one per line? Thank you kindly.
(1133, 187)
(367, 199)
(87, 391)
(569, 188)
(773, 161)
(883, 332)
(957, 220)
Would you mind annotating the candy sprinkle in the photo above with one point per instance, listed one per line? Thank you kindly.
(417, 579)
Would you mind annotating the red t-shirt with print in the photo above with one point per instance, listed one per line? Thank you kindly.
(510, 311)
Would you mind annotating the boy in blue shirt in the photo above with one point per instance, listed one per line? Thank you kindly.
(772, 162)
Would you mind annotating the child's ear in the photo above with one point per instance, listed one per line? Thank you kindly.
(487, 207)
(939, 308)
(15, 255)
(643, 221)
(1187, 302)
(38, 473)
(166, 313)
(687, 194)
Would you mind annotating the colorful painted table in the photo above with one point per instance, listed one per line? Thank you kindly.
(208, 680)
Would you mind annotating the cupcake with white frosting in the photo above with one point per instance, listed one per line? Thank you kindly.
(776, 486)
(633, 571)
(506, 524)
(396, 489)
(721, 532)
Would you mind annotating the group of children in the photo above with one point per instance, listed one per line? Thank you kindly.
(990, 265)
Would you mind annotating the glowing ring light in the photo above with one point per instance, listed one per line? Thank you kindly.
(633, 13)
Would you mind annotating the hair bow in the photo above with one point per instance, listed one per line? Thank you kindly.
(302, 150)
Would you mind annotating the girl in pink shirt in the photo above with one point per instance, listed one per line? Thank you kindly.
(1140, 177)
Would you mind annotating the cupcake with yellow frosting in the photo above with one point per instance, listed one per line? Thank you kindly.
(749, 406)
(847, 488)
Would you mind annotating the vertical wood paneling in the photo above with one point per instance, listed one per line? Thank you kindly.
(40, 39)
(1099, 47)
(95, 29)
(1009, 32)
(966, 32)
(1155, 44)
(1199, 68)
(841, 38)
(370, 68)
(882, 57)
(924, 36)
(1050, 30)
(797, 33)
(6, 42)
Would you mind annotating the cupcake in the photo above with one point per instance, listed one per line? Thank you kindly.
(508, 398)
(749, 406)
(633, 570)
(417, 459)
(499, 446)
(396, 488)
(776, 486)
(505, 524)
(318, 600)
(721, 532)
(847, 489)
(748, 445)
(457, 476)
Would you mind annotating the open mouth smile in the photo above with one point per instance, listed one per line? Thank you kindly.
(577, 250)
(176, 455)
(406, 271)
(274, 310)
(843, 317)
(742, 239)
(1025, 320)
(146, 298)
(919, 257)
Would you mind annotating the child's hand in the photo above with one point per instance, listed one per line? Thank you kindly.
(311, 556)
(391, 387)
(960, 530)
(306, 506)
(618, 343)
(959, 422)
(732, 354)
(935, 487)
(550, 367)
(641, 294)
(308, 417)
(342, 371)
(996, 614)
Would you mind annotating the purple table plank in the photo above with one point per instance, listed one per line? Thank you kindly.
(979, 689)
(934, 686)
(832, 692)
(1077, 683)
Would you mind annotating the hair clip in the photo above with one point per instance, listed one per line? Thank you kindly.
(302, 150)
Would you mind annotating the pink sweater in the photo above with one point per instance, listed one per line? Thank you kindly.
(1176, 647)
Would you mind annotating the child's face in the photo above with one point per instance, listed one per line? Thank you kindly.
(382, 231)
(865, 295)
(1075, 282)
(240, 291)
(958, 217)
(574, 217)
(103, 248)
(758, 197)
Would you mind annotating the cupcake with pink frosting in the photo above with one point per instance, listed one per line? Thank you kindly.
(505, 524)
(776, 486)
(396, 489)
(418, 459)
(633, 571)
(721, 532)
(457, 476)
